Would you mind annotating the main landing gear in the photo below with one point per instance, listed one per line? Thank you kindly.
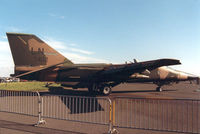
(103, 89)
(106, 90)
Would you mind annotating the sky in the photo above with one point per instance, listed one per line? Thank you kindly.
(110, 31)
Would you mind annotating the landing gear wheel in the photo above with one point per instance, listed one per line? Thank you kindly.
(159, 89)
(106, 90)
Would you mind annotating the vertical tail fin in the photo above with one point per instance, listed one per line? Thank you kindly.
(29, 52)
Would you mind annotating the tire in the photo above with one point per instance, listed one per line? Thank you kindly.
(106, 90)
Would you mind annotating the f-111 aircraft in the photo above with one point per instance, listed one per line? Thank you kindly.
(162, 76)
(36, 60)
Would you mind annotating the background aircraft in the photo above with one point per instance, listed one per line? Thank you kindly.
(162, 76)
(35, 60)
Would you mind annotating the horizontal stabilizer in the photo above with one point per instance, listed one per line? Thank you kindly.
(39, 70)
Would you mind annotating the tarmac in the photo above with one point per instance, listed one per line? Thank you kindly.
(21, 124)
(183, 90)
(11, 123)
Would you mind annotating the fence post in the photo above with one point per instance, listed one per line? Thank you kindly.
(111, 119)
(40, 107)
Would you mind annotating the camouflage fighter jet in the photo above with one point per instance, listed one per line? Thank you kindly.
(35, 60)
(162, 76)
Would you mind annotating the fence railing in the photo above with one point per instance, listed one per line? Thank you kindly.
(74, 108)
(177, 115)
(19, 102)
(83, 109)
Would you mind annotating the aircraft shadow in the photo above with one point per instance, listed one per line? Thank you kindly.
(74, 104)
(82, 105)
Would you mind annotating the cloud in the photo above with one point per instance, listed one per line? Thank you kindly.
(56, 16)
(187, 69)
(14, 29)
(6, 71)
(61, 17)
(6, 61)
(78, 58)
(73, 53)
(4, 37)
(81, 51)
(3, 43)
(55, 44)
(4, 47)
(64, 47)
(73, 45)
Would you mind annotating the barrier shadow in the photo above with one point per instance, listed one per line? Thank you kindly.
(143, 91)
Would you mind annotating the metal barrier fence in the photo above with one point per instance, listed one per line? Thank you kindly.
(19, 102)
(76, 108)
(178, 115)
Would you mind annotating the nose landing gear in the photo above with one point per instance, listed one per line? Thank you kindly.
(159, 89)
